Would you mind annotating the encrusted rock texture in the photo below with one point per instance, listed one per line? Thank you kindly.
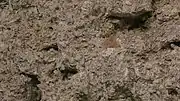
(89, 50)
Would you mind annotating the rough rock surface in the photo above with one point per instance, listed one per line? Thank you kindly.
(89, 50)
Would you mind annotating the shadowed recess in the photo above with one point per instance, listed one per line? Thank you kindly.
(32, 91)
(130, 20)
(52, 46)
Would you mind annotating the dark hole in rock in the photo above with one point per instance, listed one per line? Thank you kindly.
(176, 43)
(130, 20)
(8, 28)
(34, 78)
(32, 91)
(52, 46)
(172, 91)
(57, 8)
(67, 71)
(169, 45)
(51, 28)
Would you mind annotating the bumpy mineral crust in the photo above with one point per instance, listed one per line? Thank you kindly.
(89, 50)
